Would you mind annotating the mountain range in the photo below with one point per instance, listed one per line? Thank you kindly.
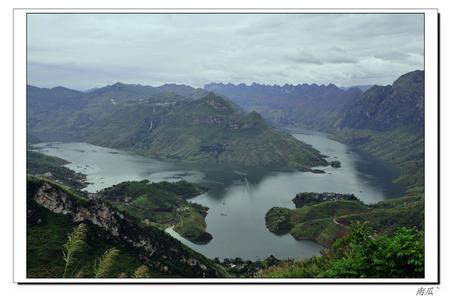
(172, 122)
(223, 124)
(314, 106)
(386, 121)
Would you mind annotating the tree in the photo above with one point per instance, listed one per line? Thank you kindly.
(362, 254)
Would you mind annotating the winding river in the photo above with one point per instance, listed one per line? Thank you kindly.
(238, 199)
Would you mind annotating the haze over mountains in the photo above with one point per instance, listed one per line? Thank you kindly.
(183, 123)
(310, 104)
(386, 121)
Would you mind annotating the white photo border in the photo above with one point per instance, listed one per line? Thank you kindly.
(432, 213)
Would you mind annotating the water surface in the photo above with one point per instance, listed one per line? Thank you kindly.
(238, 198)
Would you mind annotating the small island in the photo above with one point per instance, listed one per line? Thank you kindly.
(316, 217)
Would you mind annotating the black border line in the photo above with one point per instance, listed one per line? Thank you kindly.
(250, 11)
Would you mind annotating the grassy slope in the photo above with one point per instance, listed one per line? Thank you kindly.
(315, 221)
(45, 245)
(328, 221)
(389, 215)
(208, 129)
(162, 204)
(197, 132)
(404, 149)
(40, 164)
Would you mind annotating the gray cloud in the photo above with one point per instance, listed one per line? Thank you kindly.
(326, 56)
(88, 50)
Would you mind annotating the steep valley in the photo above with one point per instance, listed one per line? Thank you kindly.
(386, 121)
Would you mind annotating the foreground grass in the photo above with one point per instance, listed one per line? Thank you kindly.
(46, 242)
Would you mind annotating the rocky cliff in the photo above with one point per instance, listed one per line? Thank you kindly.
(154, 247)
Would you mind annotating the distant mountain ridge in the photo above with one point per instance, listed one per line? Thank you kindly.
(386, 121)
(327, 106)
(313, 105)
(363, 88)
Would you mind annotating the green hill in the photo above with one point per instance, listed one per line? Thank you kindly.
(326, 217)
(169, 122)
(161, 204)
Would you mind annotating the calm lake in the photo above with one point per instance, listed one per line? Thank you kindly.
(238, 199)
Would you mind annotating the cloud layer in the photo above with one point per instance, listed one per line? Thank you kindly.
(90, 50)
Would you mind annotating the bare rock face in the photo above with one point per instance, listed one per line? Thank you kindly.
(154, 246)
(54, 200)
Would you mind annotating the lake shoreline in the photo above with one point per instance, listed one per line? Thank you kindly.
(239, 198)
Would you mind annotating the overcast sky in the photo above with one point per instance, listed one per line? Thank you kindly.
(85, 51)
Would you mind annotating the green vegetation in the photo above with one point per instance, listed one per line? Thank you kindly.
(142, 272)
(162, 204)
(315, 221)
(76, 243)
(47, 238)
(179, 123)
(191, 126)
(53, 168)
(387, 216)
(402, 148)
(33, 180)
(385, 121)
(210, 129)
(324, 231)
(57, 246)
(361, 254)
(278, 220)
(388, 122)
(322, 218)
(104, 266)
